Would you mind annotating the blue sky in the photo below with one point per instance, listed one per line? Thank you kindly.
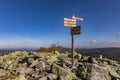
(36, 23)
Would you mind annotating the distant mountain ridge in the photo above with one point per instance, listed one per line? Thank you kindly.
(6, 51)
(110, 51)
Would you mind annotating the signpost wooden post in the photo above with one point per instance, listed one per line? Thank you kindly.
(72, 50)
(75, 30)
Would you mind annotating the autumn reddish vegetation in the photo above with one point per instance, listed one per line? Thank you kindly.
(53, 47)
(42, 49)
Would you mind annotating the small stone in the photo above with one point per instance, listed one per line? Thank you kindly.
(105, 62)
(21, 77)
(101, 57)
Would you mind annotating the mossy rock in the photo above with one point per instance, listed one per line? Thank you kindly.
(97, 76)
(114, 74)
(59, 71)
(78, 56)
(84, 70)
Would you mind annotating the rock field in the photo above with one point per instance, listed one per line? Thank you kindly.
(23, 65)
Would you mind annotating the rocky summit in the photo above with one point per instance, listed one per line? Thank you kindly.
(23, 65)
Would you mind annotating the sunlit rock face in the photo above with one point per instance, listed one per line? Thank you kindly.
(22, 65)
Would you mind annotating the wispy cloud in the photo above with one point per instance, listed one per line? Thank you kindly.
(118, 34)
(21, 42)
(97, 44)
(93, 41)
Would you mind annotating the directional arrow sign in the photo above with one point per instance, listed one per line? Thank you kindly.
(77, 18)
(68, 19)
(70, 22)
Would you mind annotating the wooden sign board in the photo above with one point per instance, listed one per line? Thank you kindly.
(75, 30)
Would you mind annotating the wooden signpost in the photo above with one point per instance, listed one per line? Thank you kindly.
(75, 30)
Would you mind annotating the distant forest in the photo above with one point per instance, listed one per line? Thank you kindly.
(112, 53)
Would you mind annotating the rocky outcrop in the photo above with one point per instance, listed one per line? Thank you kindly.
(22, 65)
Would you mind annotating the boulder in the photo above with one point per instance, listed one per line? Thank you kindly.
(56, 52)
(86, 71)
(101, 57)
(43, 78)
(103, 69)
(52, 76)
(78, 56)
(52, 58)
(114, 74)
(21, 77)
(97, 76)
(59, 71)
(65, 77)
(2, 72)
